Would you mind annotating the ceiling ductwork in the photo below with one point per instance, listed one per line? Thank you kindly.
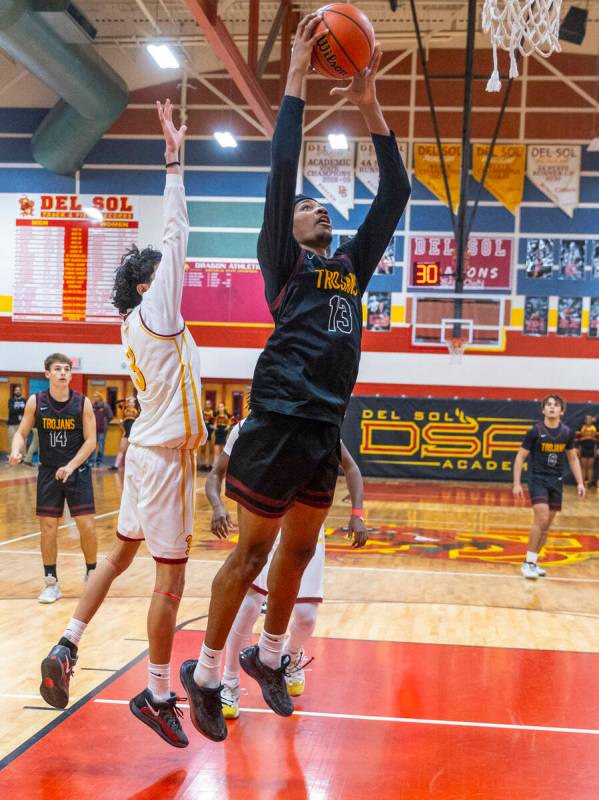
(93, 95)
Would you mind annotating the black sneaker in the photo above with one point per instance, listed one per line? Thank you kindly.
(162, 717)
(272, 681)
(57, 668)
(205, 707)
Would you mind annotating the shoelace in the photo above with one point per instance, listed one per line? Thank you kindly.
(300, 663)
(173, 711)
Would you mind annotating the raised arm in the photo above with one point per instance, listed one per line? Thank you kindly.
(161, 304)
(366, 248)
(277, 249)
(20, 437)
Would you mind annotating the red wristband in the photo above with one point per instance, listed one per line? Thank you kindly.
(357, 512)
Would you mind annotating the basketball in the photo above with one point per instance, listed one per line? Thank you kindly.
(348, 45)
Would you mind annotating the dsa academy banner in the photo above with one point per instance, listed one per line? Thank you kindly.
(505, 176)
(331, 172)
(367, 168)
(408, 437)
(427, 168)
(555, 171)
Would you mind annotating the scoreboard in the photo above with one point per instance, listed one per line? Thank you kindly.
(425, 273)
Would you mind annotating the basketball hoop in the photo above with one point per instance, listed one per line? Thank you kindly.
(524, 26)
(456, 346)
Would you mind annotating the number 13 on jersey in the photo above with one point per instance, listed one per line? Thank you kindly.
(340, 318)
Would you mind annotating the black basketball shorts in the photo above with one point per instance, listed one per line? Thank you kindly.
(280, 460)
(77, 491)
(546, 490)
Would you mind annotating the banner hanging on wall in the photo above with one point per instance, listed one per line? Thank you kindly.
(427, 168)
(487, 267)
(224, 292)
(331, 172)
(410, 437)
(505, 176)
(67, 248)
(367, 168)
(555, 171)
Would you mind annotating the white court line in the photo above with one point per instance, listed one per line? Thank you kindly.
(392, 570)
(407, 720)
(66, 525)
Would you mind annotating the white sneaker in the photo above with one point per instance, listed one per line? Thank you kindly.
(530, 570)
(295, 675)
(51, 591)
(540, 571)
(229, 698)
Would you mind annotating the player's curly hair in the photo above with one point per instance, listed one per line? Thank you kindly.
(137, 266)
(559, 400)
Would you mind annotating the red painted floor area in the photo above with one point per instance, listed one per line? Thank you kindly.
(424, 491)
(100, 750)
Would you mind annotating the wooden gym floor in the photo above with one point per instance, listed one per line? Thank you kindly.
(438, 672)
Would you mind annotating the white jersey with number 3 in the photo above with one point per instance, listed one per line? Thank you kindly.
(162, 356)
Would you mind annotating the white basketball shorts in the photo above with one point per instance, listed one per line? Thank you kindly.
(312, 585)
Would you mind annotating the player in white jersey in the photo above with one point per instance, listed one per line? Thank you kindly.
(159, 485)
(310, 593)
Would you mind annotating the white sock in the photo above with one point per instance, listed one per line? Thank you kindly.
(159, 681)
(207, 671)
(238, 638)
(302, 626)
(74, 631)
(271, 649)
(532, 557)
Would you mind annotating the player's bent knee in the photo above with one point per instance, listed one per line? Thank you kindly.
(304, 615)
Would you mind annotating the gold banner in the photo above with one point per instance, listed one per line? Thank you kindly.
(505, 176)
(427, 168)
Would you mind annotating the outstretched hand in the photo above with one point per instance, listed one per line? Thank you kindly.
(362, 89)
(305, 39)
(173, 136)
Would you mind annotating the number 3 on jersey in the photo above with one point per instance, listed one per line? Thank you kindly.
(340, 318)
(139, 379)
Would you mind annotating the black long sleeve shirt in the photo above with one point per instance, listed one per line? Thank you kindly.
(310, 363)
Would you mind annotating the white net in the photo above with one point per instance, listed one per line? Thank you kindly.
(520, 26)
(456, 347)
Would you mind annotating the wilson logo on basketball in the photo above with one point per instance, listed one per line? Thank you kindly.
(329, 56)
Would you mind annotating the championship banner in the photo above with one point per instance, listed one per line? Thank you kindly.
(555, 171)
(224, 293)
(367, 168)
(331, 172)
(505, 176)
(427, 168)
(412, 437)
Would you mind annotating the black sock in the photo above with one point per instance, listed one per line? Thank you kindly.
(68, 643)
(50, 571)
(89, 567)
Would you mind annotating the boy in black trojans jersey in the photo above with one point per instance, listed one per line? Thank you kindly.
(67, 434)
(548, 444)
(283, 468)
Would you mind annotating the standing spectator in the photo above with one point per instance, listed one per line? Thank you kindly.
(222, 424)
(207, 449)
(103, 414)
(16, 407)
(587, 443)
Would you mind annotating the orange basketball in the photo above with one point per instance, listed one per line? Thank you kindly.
(349, 44)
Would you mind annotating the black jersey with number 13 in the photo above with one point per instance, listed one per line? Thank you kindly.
(310, 363)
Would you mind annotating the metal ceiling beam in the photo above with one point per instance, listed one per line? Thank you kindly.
(222, 43)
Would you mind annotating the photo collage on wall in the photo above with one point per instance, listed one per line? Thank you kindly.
(574, 260)
(378, 314)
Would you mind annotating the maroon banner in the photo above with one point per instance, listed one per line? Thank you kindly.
(219, 293)
(487, 267)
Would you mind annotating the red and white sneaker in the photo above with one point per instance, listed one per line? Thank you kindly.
(162, 717)
(57, 670)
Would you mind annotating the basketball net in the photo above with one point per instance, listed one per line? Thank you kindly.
(456, 346)
(521, 26)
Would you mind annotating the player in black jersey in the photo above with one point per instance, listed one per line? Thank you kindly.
(548, 444)
(283, 468)
(66, 426)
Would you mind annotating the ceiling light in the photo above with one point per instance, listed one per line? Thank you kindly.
(163, 56)
(94, 213)
(338, 141)
(225, 139)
